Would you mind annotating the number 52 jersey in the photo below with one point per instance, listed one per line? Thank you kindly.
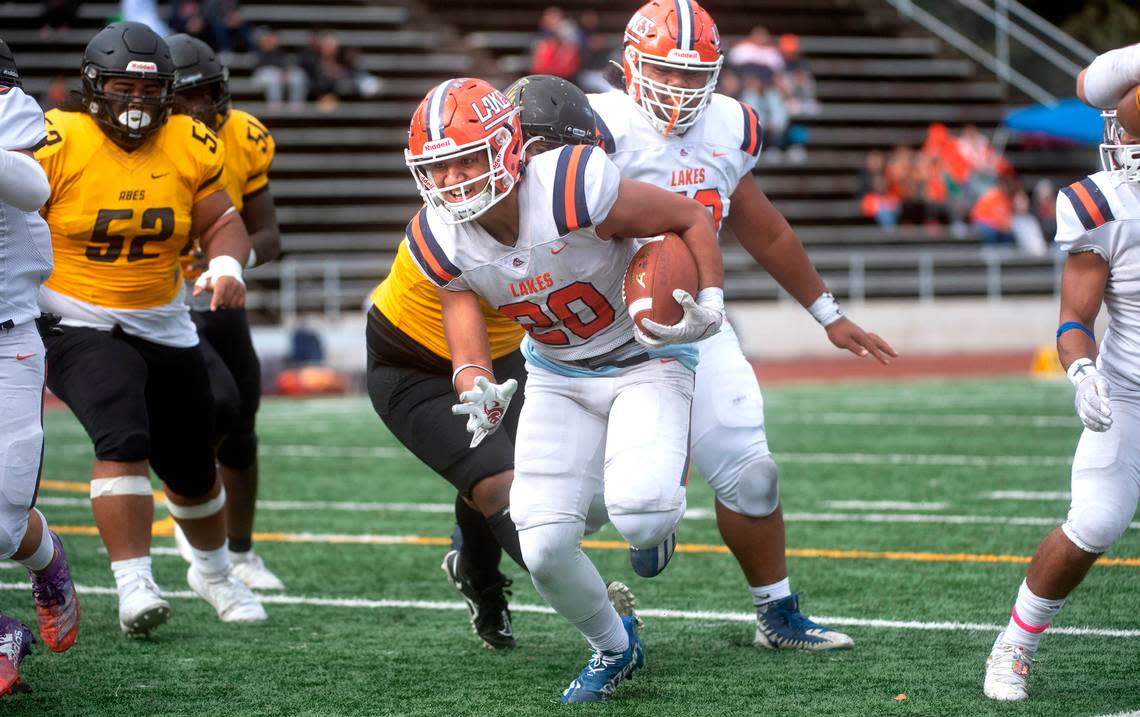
(119, 219)
(560, 281)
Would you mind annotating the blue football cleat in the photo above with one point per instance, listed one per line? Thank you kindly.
(650, 562)
(781, 626)
(601, 675)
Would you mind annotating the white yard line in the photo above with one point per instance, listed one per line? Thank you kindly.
(1029, 495)
(691, 514)
(700, 615)
(882, 505)
(965, 420)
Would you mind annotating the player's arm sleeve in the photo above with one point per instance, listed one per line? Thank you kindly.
(262, 156)
(429, 255)
(585, 187)
(23, 183)
(21, 121)
(1111, 75)
(1077, 231)
(750, 135)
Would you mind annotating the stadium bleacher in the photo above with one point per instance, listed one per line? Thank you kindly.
(344, 194)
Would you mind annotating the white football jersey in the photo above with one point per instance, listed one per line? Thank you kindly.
(1102, 214)
(25, 240)
(705, 163)
(560, 281)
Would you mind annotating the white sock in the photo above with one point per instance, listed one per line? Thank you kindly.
(45, 551)
(211, 562)
(1031, 615)
(126, 570)
(764, 594)
(605, 631)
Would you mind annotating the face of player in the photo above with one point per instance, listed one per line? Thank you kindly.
(199, 104)
(543, 145)
(128, 100)
(458, 172)
(685, 79)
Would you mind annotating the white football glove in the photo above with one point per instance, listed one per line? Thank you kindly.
(1092, 395)
(485, 406)
(701, 320)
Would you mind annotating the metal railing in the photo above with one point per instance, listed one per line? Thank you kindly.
(332, 287)
(1023, 49)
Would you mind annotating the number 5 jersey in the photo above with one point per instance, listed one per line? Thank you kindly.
(120, 219)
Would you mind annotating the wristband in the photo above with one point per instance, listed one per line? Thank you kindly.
(1081, 369)
(826, 309)
(252, 260)
(463, 367)
(1070, 325)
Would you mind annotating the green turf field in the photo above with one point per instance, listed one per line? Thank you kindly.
(371, 627)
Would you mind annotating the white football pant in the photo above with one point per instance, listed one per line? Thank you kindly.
(21, 430)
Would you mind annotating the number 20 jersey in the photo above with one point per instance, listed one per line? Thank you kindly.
(705, 163)
(560, 281)
(120, 219)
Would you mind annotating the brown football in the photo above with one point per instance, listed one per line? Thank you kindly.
(1128, 111)
(659, 267)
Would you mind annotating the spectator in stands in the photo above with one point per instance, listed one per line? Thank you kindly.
(760, 92)
(557, 50)
(58, 15)
(334, 72)
(992, 214)
(229, 32)
(757, 55)
(1025, 228)
(275, 71)
(1044, 207)
(186, 17)
(905, 182)
(146, 12)
(881, 205)
(729, 82)
(798, 78)
(56, 94)
(594, 54)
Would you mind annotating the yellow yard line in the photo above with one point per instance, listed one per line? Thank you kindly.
(165, 527)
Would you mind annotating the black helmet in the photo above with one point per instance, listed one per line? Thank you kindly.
(196, 67)
(9, 75)
(132, 50)
(554, 110)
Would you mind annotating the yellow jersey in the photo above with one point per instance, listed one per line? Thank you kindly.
(409, 301)
(249, 150)
(119, 219)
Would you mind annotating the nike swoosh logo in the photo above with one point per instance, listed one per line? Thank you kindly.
(559, 249)
(160, 176)
(719, 154)
(21, 357)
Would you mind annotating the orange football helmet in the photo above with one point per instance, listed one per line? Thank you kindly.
(461, 117)
(674, 35)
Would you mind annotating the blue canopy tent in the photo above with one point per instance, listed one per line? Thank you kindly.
(1069, 119)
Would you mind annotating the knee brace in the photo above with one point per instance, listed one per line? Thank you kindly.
(749, 486)
(1096, 528)
(238, 451)
(647, 530)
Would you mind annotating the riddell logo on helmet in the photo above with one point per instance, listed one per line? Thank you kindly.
(140, 66)
(445, 143)
(639, 27)
(684, 55)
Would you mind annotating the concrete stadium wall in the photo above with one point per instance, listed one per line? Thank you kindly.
(783, 330)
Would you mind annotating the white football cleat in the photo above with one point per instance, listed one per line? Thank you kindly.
(1007, 669)
(231, 598)
(250, 569)
(621, 597)
(141, 608)
(183, 544)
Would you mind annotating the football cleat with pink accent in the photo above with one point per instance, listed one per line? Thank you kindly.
(1007, 669)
